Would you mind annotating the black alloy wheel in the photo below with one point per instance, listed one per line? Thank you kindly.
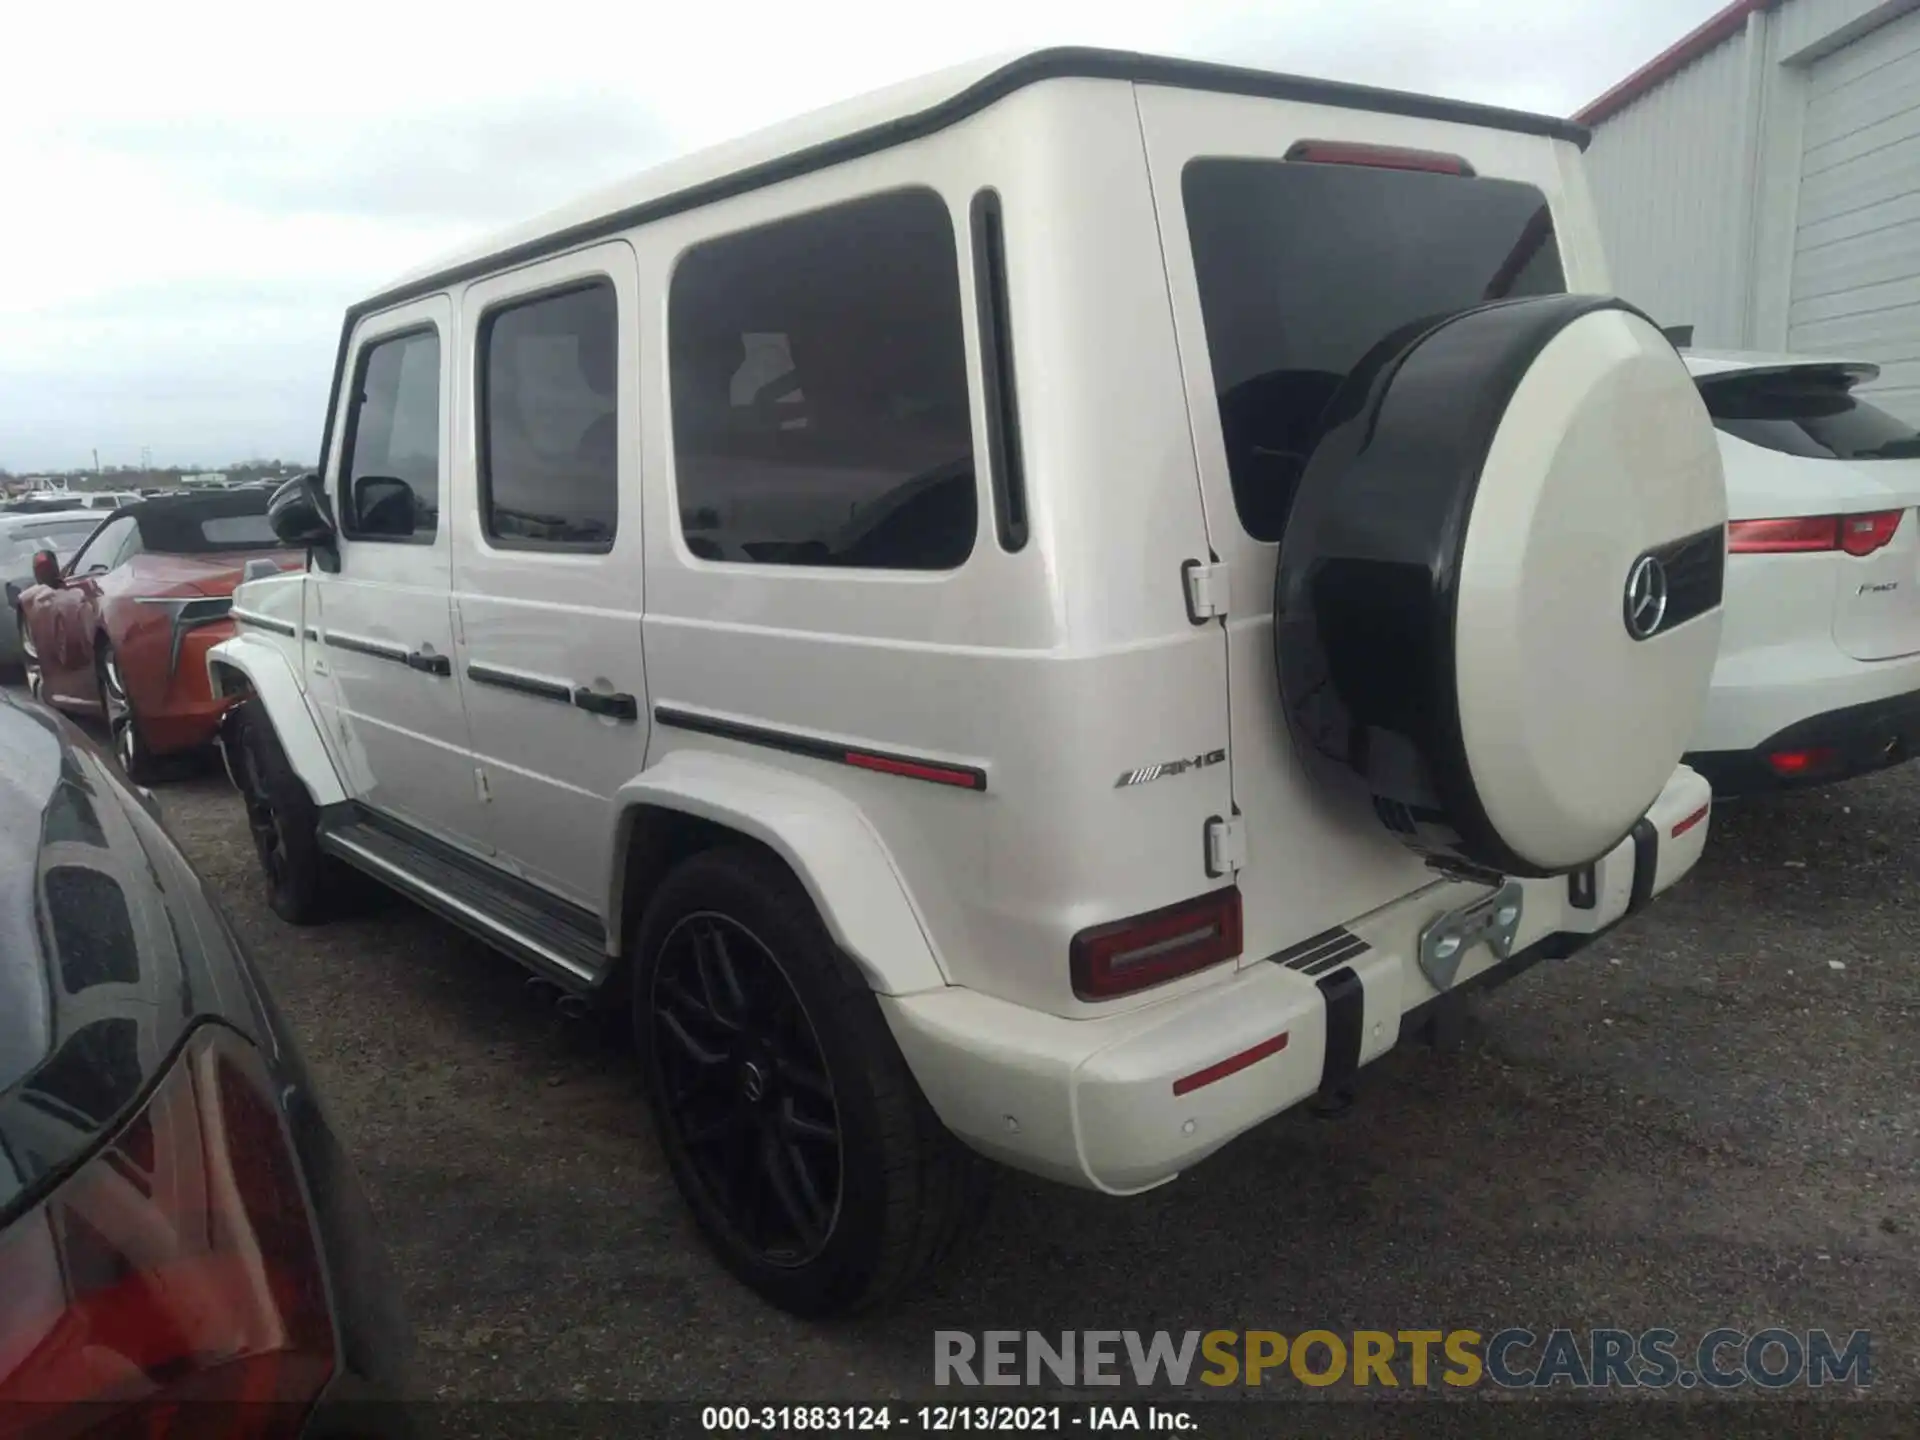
(745, 1089)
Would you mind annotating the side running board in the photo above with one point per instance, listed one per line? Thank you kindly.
(549, 935)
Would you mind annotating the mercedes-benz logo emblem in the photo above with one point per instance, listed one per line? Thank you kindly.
(1646, 603)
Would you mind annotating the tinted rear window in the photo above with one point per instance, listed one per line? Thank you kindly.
(1305, 268)
(195, 531)
(1810, 413)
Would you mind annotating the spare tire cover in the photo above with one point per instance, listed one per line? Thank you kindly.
(1497, 603)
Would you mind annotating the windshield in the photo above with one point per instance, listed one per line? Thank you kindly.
(1305, 268)
(1810, 411)
(19, 543)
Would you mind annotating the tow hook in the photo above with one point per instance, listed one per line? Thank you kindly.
(1494, 919)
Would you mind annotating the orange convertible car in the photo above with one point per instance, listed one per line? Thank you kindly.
(123, 630)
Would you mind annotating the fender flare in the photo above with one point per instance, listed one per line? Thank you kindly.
(264, 668)
(824, 838)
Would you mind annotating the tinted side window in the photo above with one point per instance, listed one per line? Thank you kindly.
(1305, 268)
(391, 489)
(548, 430)
(820, 412)
(1809, 413)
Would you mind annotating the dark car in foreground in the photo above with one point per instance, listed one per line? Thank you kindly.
(184, 1247)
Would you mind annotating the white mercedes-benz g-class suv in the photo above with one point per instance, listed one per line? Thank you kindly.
(1050, 613)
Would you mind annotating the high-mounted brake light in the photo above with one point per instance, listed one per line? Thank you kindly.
(1151, 949)
(1857, 535)
(1379, 157)
(178, 1265)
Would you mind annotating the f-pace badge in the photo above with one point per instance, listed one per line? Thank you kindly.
(1646, 600)
(1170, 767)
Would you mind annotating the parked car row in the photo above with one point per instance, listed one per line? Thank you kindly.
(978, 639)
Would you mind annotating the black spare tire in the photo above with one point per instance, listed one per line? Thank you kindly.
(1497, 603)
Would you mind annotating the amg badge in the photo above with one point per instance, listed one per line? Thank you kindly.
(1169, 767)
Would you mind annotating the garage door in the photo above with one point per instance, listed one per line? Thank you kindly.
(1856, 273)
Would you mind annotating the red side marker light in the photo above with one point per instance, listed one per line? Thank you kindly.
(1692, 820)
(913, 769)
(1232, 1065)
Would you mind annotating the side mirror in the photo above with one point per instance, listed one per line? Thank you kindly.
(383, 505)
(298, 514)
(46, 569)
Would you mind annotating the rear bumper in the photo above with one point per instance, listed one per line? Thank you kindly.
(1854, 740)
(1124, 1103)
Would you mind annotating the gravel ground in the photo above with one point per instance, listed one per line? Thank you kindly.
(1708, 1119)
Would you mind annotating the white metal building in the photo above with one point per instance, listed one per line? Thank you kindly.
(1760, 181)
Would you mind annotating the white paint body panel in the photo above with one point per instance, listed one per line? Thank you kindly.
(275, 680)
(1091, 1102)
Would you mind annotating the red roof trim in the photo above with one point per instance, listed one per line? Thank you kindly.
(1675, 58)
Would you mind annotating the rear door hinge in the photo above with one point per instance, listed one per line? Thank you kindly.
(1226, 845)
(1206, 583)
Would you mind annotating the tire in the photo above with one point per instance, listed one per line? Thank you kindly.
(304, 886)
(130, 748)
(1458, 630)
(744, 1072)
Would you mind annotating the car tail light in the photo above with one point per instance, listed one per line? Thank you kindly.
(1796, 764)
(1855, 534)
(1381, 157)
(1864, 534)
(172, 1285)
(1151, 949)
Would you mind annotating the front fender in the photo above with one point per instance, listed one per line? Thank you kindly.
(252, 662)
(823, 837)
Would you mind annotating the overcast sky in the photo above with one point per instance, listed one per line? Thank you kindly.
(191, 192)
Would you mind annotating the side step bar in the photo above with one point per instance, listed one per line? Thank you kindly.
(543, 932)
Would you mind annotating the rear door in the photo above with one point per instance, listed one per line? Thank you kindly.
(547, 561)
(1801, 445)
(1297, 238)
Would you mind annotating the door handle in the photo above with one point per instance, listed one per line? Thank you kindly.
(429, 664)
(619, 705)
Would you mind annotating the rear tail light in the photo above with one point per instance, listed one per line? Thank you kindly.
(172, 1286)
(1855, 534)
(1381, 157)
(1161, 945)
(1798, 764)
(1864, 534)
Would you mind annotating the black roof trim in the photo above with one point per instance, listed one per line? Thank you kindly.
(1066, 62)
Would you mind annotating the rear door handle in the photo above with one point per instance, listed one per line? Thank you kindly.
(619, 705)
(429, 664)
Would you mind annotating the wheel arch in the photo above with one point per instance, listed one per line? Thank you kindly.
(696, 800)
(247, 665)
